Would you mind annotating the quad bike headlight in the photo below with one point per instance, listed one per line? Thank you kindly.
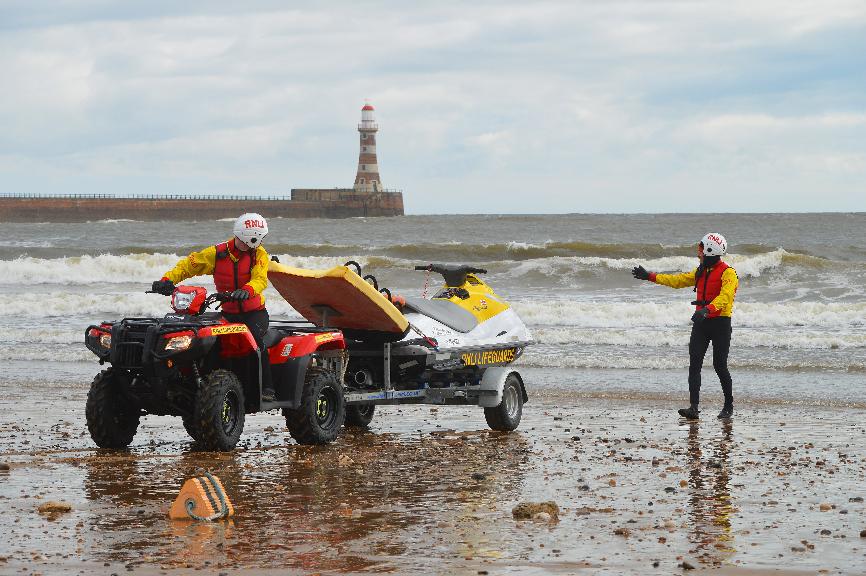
(105, 340)
(178, 343)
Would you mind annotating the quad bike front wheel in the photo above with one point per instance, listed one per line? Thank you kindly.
(111, 419)
(190, 427)
(360, 415)
(506, 416)
(322, 411)
(219, 411)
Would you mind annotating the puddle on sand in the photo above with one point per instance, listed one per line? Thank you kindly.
(431, 491)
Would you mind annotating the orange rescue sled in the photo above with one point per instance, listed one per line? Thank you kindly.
(339, 298)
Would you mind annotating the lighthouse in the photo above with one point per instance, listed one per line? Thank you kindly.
(367, 178)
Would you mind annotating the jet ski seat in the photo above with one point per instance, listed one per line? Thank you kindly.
(444, 311)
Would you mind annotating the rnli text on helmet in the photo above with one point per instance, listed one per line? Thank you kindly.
(254, 224)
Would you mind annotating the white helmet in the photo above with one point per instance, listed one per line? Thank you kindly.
(714, 244)
(251, 229)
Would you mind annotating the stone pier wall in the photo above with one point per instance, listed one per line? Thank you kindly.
(72, 209)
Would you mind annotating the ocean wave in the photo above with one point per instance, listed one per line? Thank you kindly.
(681, 362)
(658, 315)
(112, 269)
(143, 266)
(791, 338)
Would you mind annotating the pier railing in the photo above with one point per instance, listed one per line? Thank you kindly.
(286, 197)
(145, 197)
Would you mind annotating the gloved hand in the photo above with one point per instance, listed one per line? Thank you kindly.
(240, 294)
(640, 273)
(164, 287)
(700, 315)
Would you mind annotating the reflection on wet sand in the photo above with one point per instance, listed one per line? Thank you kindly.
(325, 508)
(637, 492)
(710, 508)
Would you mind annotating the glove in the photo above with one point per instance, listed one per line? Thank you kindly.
(640, 273)
(700, 315)
(164, 287)
(240, 294)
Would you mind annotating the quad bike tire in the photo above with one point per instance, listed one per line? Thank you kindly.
(219, 412)
(506, 416)
(111, 419)
(360, 415)
(322, 411)
(189, 426)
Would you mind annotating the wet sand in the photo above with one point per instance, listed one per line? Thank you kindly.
(427, 490)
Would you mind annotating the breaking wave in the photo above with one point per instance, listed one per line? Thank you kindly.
(145, 267)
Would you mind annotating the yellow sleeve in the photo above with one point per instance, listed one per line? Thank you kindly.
(675, 280)
(196, 264)
(725, 300)
(259, 274)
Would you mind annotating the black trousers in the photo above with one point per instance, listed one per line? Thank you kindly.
(257, 321)
(718, 331)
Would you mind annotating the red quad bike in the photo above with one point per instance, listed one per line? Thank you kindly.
(196, 365)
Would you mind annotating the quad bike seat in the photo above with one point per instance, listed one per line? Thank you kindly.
(272, 337)
(443, 311)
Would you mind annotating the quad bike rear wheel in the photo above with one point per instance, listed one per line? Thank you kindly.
(219, 411)
(506, 416)
(360, 415)
(322, 411)
(111, 419)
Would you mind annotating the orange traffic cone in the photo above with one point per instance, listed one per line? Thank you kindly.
(201, 498)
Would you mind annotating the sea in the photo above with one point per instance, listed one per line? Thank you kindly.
(799, 323)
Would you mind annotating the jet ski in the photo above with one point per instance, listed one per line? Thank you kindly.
(453, 348)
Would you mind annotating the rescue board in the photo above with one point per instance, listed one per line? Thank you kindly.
(338, 298)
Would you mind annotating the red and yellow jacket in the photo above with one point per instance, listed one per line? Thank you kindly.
(718, 288)
(232, 269)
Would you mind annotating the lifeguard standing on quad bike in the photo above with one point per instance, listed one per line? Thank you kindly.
(240, 266)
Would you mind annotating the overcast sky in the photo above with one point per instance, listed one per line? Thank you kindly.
(494, 107)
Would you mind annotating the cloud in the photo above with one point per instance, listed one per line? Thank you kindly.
(611, 106)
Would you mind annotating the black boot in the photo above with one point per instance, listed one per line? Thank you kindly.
(690, 413)
(727, 412)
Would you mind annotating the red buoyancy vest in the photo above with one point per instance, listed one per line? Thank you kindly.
(229, 275)
(708, 286)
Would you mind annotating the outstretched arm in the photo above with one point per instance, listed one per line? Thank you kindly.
(682, 280)
(196, 264)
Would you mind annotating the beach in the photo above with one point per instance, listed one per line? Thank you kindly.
(430, 490)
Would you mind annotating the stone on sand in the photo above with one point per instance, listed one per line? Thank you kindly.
(527, 510)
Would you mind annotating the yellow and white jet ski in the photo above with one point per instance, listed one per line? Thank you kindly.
(454, 348)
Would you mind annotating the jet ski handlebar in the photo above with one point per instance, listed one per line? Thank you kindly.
(454, 275)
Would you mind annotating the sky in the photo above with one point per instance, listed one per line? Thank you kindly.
(483, 107)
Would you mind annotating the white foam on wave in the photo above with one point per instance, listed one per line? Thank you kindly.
(146, 267)
(112, 269)
(746, 266)
(106, 306)
(792, 338)
(653, 315)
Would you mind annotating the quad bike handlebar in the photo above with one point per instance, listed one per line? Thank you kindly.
(208, 301)
(455, 275)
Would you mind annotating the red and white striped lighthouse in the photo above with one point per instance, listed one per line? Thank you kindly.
(367, 178)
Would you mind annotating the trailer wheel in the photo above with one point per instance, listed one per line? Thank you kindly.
(322, 411)
(111, 419)
(360, 415)
(219, 411)
(506, 416)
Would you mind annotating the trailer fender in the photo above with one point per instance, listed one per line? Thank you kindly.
(492, 383)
